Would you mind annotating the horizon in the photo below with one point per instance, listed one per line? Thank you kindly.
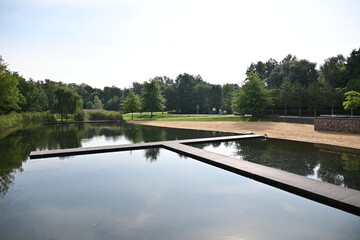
(118, 42)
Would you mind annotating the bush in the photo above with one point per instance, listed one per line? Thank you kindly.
(14, 118)
(79, 116)
(103, 115)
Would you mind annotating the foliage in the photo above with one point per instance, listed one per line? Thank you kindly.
(67, 102)
(79, 116)
(286, 94)
(314, 96)
(352, 101)
(10, 96)
(192, 117)
(296, 87)
(264, 70)
(97, 103)
(353, 65)
(11, 119)
(333, 71)
(131, 104)
(35, 96)
(113, 104)
(253, 97)
(102, 115)
(152, 99)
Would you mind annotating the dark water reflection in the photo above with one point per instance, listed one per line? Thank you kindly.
(121, 195)
(336, 167)
(17, 143)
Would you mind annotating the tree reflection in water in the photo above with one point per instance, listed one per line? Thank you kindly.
(17, 143)
(304, 159)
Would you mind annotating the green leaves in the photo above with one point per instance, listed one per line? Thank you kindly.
(253, 97)
(131, 104)
(152, 99)
(67, 101)
(352, 101)
(10, 96)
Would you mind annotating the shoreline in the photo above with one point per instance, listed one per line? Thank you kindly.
(291, 131)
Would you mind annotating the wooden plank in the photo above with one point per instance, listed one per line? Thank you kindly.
(335, 196)
(342, 198)
(125, 147)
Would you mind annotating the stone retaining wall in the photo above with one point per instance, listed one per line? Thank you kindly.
(347, 125)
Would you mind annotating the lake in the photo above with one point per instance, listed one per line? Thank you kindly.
(305, 159)
(144, 194)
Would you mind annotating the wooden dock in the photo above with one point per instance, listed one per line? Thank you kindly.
(335, 196)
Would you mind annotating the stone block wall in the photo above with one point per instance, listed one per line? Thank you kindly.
(346, 125)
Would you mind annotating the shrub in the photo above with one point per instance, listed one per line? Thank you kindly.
(103, 115)
(14, 118)
(79, 116)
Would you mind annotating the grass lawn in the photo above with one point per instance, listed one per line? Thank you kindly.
(159, 116)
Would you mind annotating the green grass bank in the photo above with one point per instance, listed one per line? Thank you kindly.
(159, 116)
(14, 119)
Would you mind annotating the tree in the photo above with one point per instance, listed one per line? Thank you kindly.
(352, 101)
(152, 99)
(333, 71)
(131, 104)
(264, 71)
(353, 64)
(227, 96)
(35, 96)
(113, 104)
(253, 97)
(315, 96)
(185, 84)
(67, 102)
(201, 94)
(97, 103)
(215, 97)
(299, 96)
(10, 96)
(286, 94)
(332, 97)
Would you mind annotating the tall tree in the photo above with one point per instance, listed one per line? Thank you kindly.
(333, 71)
(215, 97)
(35, 96)
(185, 84)
(10, 96)
(67, 102)
(227, 96)
(152, 99)
(201, 94)
(131, 104)
(352, 101)
(299, 96)
(332, 97)
(315, 96)
(97, 103)
(113, 104)
(264, 71)
(353, 64)
(253, 97)
(286, 94)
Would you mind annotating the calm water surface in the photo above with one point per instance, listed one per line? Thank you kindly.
(306, 159)
(16, 144)
(144, 194)
(123, 195)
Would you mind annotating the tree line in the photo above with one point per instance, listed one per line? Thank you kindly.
(291, 86)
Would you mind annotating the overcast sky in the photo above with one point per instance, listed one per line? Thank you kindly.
(117, 42)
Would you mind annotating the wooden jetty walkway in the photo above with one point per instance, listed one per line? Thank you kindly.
(339, 197)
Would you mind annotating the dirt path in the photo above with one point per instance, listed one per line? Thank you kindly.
(302, 132)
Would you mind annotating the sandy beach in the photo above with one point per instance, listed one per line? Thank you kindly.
(301, 132)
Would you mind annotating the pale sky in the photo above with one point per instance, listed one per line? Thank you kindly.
(117, 42)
